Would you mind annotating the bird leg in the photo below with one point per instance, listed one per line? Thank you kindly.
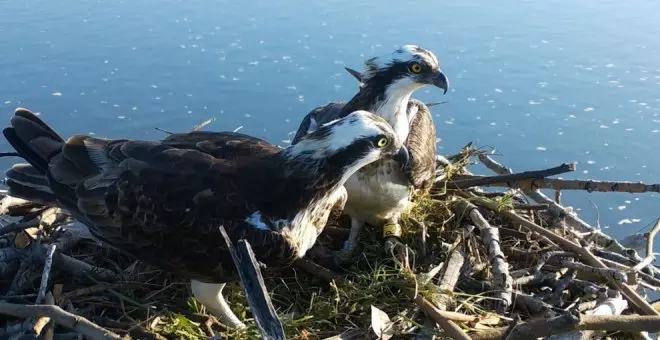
(400, 252)
(210, 295)
(345, 255)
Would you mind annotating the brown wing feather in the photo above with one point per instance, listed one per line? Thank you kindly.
(422, 147)
(320, 115)
(164, 205)
(222, 144)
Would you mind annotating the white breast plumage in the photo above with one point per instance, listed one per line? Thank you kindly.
(377, 192)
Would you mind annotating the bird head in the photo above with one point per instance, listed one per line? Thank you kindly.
(408, 67)
(349, 143)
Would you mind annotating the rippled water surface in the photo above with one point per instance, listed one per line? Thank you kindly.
(544, 82)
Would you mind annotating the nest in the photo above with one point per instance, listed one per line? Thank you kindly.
(470, 264)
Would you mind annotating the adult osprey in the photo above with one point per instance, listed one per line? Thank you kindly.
(164, 205)
(380, 192)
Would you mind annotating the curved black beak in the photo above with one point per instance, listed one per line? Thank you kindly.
(440, 80)
(402, 156)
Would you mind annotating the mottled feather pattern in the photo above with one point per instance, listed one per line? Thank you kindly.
(163, 202)
(422, 146)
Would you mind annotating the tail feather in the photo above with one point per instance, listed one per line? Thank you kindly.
(37, 143)
(33, 139)
(28, 183)
(27, 114)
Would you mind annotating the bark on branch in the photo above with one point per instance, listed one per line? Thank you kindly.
(475, 181)
(502, 281)
(531, 184)
(584, 253)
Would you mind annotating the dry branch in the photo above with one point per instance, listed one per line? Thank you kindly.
(255, 288)
(59, 316)
(572, 220)
(607, 307)
(475, 181)
(440, 318)
(450, 274)
(502, 281)
(532, 184)
(586, 255)
(649, 248)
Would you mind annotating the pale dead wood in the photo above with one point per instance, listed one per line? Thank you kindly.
(607, 307)
(59, 316)
(447, 325)
(43, 321)
(502, 281)
(45, 274)
(255, 289)
(451, 271)
(586, 255)
(570, 218)
(650, 256)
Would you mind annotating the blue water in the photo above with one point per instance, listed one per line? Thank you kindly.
(544, 82)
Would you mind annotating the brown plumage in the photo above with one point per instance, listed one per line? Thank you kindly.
(163, 201)
(379, 193)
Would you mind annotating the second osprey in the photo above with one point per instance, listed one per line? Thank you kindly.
(380, 192)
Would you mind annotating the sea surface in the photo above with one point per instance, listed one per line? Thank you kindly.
(543, 82)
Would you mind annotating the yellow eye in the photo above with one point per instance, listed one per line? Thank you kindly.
(416, 68)
(382, 142)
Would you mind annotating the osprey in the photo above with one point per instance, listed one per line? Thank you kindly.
(380, 192)
(164, 205)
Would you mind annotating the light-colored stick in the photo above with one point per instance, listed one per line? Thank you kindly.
(502, 280)
(50, 251)
(649, 248)
(586, 255)
(608, 307)
(59, 316)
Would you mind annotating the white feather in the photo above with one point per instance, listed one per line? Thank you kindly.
(356, 125)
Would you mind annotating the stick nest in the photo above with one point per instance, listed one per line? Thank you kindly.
(475, 266)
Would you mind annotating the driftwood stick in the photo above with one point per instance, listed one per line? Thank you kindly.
(567, 322)
(531, 184)
(605, 272)
(41, 322)
(59, 316)
(649, 248)
(476, 181)
(533, 329)
(45, 275)
(626, 261)
(571, 219)
(448, 325)
(450, 274)
(586, 255)
(255, 288)
(502, 281)
(607, 307)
